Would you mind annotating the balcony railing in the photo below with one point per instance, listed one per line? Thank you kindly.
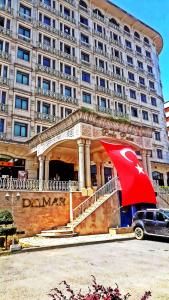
(67, 77)
(104, 110)
(37, 185)
(116, 42)
(60, 97)
(7, 9)
(48, 27)
(24, 17)
(47, 70)
(46, 117)
(119, 95)
(71, 2)
(102, 19)
(84, 8)
(4, 80)
(5, 31)
(67, 18)
(84, 26)
(67, 56)
(2, 136)
(3, 108)
(100, 51)
(119, 77)
(48, 7)
(24, 38)
(103, 89)
(120, 114)
(5, 55)
(117, 59)
(47, 48)
(87, 45)
(102, 70)
(67, 36)
(100, 34)
(67, 99)
(118, 28)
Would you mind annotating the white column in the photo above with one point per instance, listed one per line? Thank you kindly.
(144, 160)
(165, 179)
(47, 169)
(41, 172)
(87, 164)
(149, 171)
(81, 164)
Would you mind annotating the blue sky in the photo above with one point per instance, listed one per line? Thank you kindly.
(156, 14)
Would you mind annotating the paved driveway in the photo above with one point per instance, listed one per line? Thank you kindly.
(135, 265)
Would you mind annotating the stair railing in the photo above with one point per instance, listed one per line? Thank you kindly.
(110, 187)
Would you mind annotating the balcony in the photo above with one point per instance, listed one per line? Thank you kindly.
(102, 89)
(24, 17)
(118, 28)
(129, 49)
(67, 99)
(5, 55)
(4, 80)
(142, 86)
(2, 136)
(102, 19)
(86, 63)
(149, 59)
(84, 9)
(47, 48)
(67, 36)
(67, 56)
(100, 51)
(130, 65)
(118, 77)
(146, 44)
(3, 108)
(47, 70)
(102, 70)
(100, 34)
(84, 26)
(5, 31)
(119, 95)
(67, 77)
(116, 42)
(46, 117)
(104, 110)
(67, 18)
(141, 70)
(117, 59)
(139, 54)
(120, 114)
(24, 38)
(47, 27)
(87, 45)
(127, 33)
(151, 75)
(132, 82)
(152, 90)
(71, 2)
(48, 7)
(7, 9)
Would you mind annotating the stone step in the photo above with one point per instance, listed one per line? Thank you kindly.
(65, 230)
(57, 235)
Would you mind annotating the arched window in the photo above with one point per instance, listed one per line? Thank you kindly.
(157, 176)
(114, 22)
(83, 4)
(126, 29)
(136, 34)
(98, 12)
(146, 40)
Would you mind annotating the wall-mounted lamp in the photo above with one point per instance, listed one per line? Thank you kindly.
(7, 196)
(18, 196)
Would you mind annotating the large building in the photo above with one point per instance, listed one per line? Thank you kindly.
(166, 109)
(79, 71)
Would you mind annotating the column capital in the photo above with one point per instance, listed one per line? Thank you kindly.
(81, 142)
(88, 143)
(41, 157)
(148, 153)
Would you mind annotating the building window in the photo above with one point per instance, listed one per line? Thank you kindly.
(131, 76)
(3, 97)
(24, 32)
(87, 98)
(132, 94)
(143, 98)
(148, 54)
(134, 112)
(151, 85)
(46, 85)
(22, 78)
(68, 91)
(47, 20)
(25, 10)
(1, 125)
(150, 69)
(67, 70)
(140, 65)
(141, 80)
(85, 76)
(23, 54)
(46, 108)
(83, 21)
(128, 44)
(155, 118)
(157, 136)
(84, 38)
(159, 154)
(46, 62)
(153, 101)
(20, 129)
(85, 57)
(138, 49)
(21, 103)
(145, 115)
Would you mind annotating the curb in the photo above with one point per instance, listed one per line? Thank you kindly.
(71, 245)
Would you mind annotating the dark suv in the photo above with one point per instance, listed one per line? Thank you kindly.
(151, 222)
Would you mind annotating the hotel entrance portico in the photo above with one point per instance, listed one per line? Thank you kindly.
(76, 141)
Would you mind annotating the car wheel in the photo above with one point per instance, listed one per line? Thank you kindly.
(139, 233)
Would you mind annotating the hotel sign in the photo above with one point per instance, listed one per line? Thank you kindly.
(44, 202)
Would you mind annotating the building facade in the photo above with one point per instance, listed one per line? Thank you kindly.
(166, 109)
(59, 56)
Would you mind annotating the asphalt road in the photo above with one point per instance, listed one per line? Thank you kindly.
(135, 265)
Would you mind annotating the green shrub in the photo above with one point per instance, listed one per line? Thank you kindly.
(6, 217)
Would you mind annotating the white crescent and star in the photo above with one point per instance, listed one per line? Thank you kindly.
(123, 153)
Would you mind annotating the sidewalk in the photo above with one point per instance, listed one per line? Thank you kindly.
(42, 243)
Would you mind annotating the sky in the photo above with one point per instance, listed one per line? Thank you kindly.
(155, 13)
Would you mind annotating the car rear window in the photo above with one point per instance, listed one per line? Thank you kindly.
(140, 215)
(149, 215)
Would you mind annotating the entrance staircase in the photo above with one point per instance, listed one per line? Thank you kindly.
(84, 210)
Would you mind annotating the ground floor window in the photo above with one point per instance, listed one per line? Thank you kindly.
(11, 167)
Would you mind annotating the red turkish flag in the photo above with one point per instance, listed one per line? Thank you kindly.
(135, 183)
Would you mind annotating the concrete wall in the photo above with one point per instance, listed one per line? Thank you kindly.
(106, 216)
